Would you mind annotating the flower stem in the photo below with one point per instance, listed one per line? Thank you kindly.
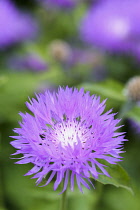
(99, 192)
(64, 200)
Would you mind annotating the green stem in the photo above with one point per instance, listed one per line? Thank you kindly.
(99, 192)
(64, 200)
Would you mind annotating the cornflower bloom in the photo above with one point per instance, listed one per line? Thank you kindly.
(113, 26)
(15, 26)
(67, 136)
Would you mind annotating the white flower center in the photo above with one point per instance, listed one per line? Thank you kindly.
(70, 133)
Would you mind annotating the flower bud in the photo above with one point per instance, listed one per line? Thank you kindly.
(60, 50)
(132, 89)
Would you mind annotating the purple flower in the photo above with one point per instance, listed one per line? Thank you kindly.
(59, 3)
(31, 62)
(15, 26)
(66, 136)
(134, 125)
(113, 25)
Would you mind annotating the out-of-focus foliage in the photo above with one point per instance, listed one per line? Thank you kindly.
(99, 71)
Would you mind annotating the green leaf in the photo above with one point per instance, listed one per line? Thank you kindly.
(109, 89)
(119, 176)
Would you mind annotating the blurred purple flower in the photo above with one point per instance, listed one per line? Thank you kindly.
(66, 136)
(15, 26)
(31, 62)
(113, 25)
(134, 125)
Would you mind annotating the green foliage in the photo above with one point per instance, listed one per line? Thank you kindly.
(14, 92)
(15, 88)
(110, 89)
(118, 176)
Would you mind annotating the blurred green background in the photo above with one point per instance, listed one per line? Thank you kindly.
(60, 58)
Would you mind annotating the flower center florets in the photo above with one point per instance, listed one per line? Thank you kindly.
(70, 133)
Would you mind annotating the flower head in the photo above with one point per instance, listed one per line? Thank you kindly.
(15, 26)
(67, 135)
(132, 89)
(60, 50)
(113, 25)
